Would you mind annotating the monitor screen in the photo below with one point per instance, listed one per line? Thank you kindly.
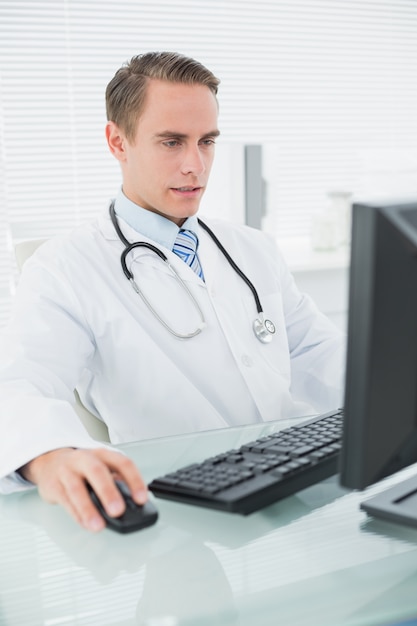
(380, 420)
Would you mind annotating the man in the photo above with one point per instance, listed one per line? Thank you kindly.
(183, 356)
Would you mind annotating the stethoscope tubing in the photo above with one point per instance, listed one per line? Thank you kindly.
(233, 264)
(264, 329)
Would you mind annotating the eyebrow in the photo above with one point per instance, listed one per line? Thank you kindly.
(172, 133)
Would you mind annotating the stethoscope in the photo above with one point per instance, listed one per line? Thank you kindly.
(263, 328)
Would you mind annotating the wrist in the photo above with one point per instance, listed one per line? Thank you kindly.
(31, 470)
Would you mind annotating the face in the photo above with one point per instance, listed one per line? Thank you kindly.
(167, 166)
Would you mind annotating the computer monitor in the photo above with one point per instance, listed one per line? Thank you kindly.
(380, 420)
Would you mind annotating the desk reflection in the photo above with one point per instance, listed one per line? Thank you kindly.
(182, 576)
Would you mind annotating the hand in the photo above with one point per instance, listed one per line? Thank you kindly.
(61, 476)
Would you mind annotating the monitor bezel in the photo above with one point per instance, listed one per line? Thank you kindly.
(381, 365)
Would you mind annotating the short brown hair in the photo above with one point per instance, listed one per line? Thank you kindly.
(125, 93)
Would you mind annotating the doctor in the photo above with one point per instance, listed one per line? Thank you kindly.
(153, 345)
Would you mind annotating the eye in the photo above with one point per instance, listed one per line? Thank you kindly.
(207, 142)
(171, 143)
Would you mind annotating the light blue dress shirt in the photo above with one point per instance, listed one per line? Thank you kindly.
(154, 226)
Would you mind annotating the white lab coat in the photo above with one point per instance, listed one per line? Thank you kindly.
(77, 322)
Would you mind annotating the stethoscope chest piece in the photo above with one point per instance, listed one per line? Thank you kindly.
(264, 329)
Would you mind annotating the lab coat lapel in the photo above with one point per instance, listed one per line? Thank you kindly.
(143, 255)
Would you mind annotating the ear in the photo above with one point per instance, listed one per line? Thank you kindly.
(116, 141)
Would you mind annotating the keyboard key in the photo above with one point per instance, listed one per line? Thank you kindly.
(276, 447)
(302, 451)
(189, 484)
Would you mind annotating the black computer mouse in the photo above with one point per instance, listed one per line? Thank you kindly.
(135, 517)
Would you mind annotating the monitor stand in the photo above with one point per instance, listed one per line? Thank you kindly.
(397, 504)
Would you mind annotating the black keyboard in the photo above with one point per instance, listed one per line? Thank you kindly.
(261, 472)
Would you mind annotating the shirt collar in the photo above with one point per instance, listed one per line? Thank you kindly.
(154, 226)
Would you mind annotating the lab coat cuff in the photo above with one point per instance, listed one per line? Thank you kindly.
(15, 482)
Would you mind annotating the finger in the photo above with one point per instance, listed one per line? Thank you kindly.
(54, 491)
(125, 468)
(77, 501)
(85, 466)
(91, 521)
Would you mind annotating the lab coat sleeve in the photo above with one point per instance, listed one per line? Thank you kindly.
(317, 349)
(42, 354)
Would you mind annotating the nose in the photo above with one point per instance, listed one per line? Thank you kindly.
(194, 162)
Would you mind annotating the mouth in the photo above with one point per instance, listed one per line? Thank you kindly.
(187, 191)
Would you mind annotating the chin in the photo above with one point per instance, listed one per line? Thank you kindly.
(186, 212)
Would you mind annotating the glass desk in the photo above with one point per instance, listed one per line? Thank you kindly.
(313, 559)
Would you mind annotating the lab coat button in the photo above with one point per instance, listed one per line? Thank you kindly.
(246, 360)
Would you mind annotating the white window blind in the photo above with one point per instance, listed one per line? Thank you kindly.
(327, 86)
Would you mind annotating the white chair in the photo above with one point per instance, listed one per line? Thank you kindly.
(94, 426)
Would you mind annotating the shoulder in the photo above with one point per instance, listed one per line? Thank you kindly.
(59, 252)
(235, 231)
(243, 237)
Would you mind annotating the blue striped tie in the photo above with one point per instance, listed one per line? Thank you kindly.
(185, 247)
